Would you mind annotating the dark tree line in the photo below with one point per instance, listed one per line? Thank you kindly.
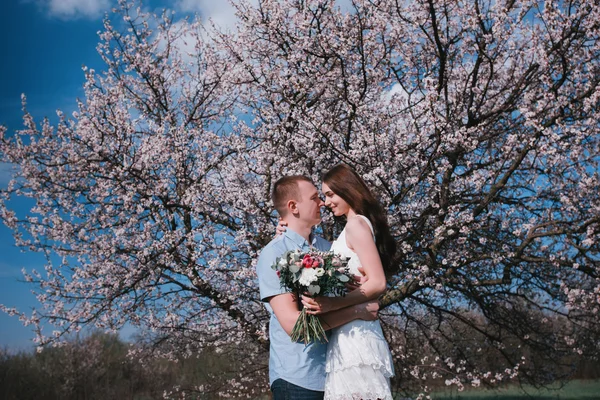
(102, 366)
(99, 366)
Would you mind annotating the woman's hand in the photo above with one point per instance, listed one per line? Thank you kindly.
(317, 305)
(281, 227)
(357, 280)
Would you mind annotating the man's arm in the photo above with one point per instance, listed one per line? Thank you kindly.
(286, 310)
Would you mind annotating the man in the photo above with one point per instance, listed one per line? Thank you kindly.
(297, 370)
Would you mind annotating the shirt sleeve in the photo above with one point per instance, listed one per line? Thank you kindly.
(268, 281)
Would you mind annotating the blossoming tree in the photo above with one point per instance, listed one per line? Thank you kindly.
(475, 122)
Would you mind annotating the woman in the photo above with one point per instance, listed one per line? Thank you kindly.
(359, 364)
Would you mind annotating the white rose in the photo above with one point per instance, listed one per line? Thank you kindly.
(307, 276)
(319, 271)
(314, 289)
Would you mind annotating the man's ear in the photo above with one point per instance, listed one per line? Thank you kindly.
(292, 207)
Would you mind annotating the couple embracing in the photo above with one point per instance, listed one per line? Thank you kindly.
(356, 363)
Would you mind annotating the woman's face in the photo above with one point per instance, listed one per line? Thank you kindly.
(335, 202)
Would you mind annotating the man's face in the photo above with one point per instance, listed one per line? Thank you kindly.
(309, 207)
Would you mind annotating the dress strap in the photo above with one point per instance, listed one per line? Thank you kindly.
(369, 223)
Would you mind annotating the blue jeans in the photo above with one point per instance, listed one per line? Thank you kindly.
(283, 390)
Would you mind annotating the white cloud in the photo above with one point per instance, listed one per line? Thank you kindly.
(345, 5)
(72, 9)
(220, 12)
(199, 5)
(397, 92)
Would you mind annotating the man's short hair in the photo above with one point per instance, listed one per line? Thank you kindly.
(286, 189)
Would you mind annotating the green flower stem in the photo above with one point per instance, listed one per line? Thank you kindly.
(308, 329)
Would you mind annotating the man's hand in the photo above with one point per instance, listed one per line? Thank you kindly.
(281, 227)
(368, 311)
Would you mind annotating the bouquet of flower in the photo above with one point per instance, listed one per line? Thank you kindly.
(315, 272)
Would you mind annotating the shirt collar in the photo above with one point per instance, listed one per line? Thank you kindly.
(298, 239)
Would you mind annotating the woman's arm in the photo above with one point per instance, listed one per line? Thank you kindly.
(360, 239)
(286, 310)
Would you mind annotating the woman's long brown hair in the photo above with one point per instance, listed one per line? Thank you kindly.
(347, 184)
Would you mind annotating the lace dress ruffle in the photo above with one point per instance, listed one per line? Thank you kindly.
(359, 364)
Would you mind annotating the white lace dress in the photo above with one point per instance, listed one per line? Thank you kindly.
(359, 364)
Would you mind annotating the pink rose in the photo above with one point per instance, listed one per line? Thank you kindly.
(317, 262)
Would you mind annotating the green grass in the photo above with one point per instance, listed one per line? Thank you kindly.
(575, 390)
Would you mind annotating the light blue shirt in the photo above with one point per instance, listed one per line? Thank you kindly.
(297, 363)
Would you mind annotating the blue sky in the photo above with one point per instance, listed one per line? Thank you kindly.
(42, 57)
(45, 44)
